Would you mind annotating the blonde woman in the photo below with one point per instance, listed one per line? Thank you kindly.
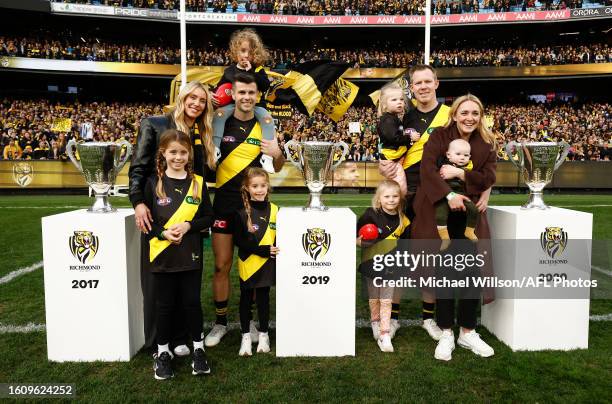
(192, 115)
(466, 121)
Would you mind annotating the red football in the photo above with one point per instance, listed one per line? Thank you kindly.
(369, 232)
(224, 94)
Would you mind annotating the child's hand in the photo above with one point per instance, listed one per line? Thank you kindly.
(180, 228)
(244, 65)
(215, 100)
(359, 240)
(274, 250)
(172, 236)
(415, 136)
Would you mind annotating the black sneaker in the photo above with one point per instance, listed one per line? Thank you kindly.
(163, 367)
(199, 365)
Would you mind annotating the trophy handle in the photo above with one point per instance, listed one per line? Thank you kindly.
(566, 148)
(516, 146)
(128, 153)
(289, 154)
(345, 150)
(69, 146)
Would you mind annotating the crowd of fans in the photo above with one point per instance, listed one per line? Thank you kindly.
(380, 54)
(344, 7)
(26, 127)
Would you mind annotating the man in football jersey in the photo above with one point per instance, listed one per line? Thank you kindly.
(241, 147)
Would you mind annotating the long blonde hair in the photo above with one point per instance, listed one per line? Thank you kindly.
(482, 129)
(203, 122)
(259, 52)
(384, 95)
(382, 187)
(251, 173)
(169, 136)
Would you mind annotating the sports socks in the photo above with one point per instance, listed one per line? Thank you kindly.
(221, 312)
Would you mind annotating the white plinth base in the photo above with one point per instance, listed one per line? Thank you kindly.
(536, 324)
(315, 296)
(93, 302)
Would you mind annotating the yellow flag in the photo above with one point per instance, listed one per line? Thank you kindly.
(61, 125)
(338, 98)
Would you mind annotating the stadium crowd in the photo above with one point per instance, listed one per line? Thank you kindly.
(343, 7)
(32, 129)
(383, 54)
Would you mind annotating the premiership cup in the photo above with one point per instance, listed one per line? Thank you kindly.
(537, 162)
(100, 163)
(316, 161)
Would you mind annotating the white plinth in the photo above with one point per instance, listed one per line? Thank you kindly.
(315, 315)
(537, 324)
(93, 304)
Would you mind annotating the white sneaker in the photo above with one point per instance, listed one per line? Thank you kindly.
(264, 342)
(254, 333)
(446, 346)
(215, 335)
(181, 350)
(471, 340)
(432, 329)
(245, 345)
(376, 330)
(217, 154)
(267, 163)
(384, 343)
(393, 327)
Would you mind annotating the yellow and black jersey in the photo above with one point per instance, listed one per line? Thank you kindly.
(240, 149)
(178, 206)
(393, 142)
(390, 229)
(255, 267)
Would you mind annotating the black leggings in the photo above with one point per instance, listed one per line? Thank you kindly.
(262, 298)
(169, 288)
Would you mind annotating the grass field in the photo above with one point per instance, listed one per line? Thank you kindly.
(411, 374)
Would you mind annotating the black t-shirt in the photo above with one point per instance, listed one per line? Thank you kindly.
(236, 131)
(419, 121)
(188, 254)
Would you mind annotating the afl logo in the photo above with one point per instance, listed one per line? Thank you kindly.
(164, 201)
(83, 245)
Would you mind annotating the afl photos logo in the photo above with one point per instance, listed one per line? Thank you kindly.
(553, 241)
(316, 242)
(83, 245)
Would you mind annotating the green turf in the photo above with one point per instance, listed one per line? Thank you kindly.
(410, 374)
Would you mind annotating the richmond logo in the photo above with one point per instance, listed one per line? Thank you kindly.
(316, 242)
(83, 245)
(23, 174)
(553, 241)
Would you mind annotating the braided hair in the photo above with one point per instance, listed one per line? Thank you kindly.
(251, 173)
(169, 136)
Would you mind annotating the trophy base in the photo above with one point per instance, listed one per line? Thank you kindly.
(536, 201)
(101, 205)
(315, 203)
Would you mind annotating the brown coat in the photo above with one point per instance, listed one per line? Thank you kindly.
(433, 188)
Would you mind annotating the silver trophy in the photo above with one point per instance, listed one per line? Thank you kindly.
(100, 163)
(537, 162)
(316, 161)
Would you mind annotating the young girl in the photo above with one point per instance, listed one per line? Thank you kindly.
(255, 234)
(395, 139)
(181, 208)
(249, 54)
(387, 214)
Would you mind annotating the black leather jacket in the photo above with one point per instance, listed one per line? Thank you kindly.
(143, 158)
